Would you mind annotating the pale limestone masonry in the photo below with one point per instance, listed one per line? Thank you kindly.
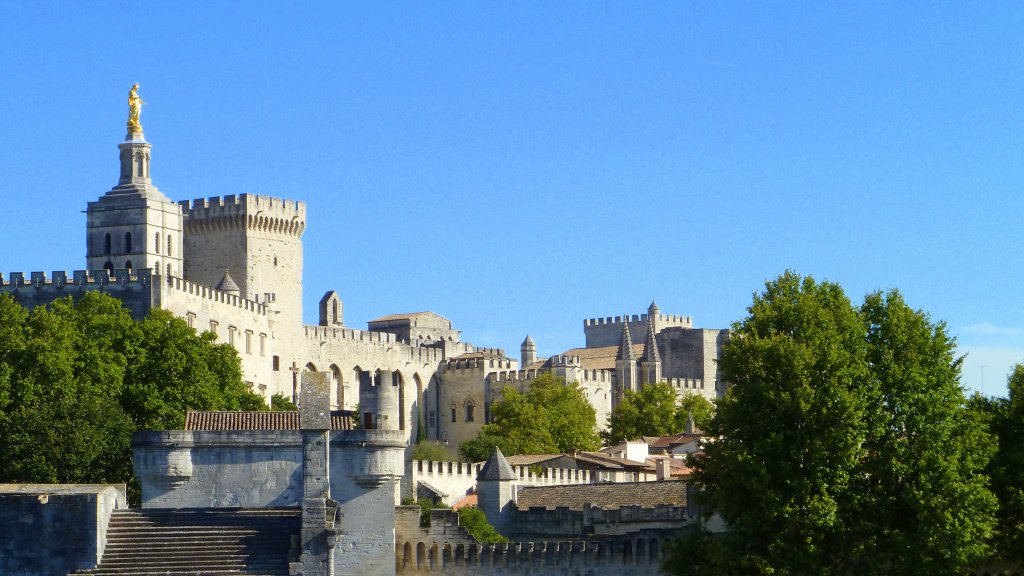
(151, 252)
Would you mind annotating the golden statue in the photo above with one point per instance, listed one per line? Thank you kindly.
(134, 109)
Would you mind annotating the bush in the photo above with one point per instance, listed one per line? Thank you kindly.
(474, 521)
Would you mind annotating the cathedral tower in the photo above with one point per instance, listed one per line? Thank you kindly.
(134, 225)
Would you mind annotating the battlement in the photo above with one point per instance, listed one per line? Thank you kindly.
(327, 334)
(682, 385)
(460, 477)
(563, 360)
(59, 278)
(479, 365)
(262, 213)
(661, 320)
(191, 288)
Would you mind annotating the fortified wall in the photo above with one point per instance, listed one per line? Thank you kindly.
(607, 331)
(456, 479)
(444, 547)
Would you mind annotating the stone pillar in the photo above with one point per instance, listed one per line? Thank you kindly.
(318, 510)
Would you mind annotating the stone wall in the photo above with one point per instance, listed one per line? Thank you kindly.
(457, 478)
(446, 548)
(54, 529)
(595, 521)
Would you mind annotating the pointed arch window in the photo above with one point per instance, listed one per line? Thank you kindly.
(454, 409)
(127, 242)
(170, 244)
(128, 265)
(156, 243)
(106, 243)
(470, 407)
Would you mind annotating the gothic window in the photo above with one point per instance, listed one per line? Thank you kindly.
(127, 242)
(170, 243)
(109, 267)
(106, 244)
(470, 406)
(128, 265)
(156, 243)
(453, 412)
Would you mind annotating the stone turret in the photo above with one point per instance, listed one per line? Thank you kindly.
(496, 491)
(378, 401)
(228, 285)
(653, 312)
(650, 362)
(527, 352)
(625, 365)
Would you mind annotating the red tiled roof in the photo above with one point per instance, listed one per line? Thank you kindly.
(602, 358)
(606, 496)
(237, 420)
(469, 500)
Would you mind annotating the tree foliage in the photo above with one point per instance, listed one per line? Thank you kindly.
(1006, 418)
(475, 522)
(655, 411)
(550, 417)
(77, 378)
(844, 445)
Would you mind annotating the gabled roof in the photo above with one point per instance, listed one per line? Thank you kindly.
(602, 358)
(608, 496)
(241, 421)
(531, 459)
(496, 468)
(405, 316)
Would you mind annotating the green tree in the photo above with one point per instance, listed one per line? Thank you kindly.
(1006, 417)
(700, 407)
(79, 377)
(280, 403)
(551, 417)
(649, 412)
(435, 451)
(844, 445)
(475, 522)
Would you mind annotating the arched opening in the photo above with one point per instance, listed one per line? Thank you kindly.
(407, 554)
(460, 554)
(433, 556)
(138, 165)
(641, 551)
(109, 267)
(454, 409)
(334, 312)
(127, 242)
(420, 403)
(170, 244)
(653, 549)
(397, 380)
(106, 244)
(421, 556)
(310, 367)
(128, 265)
(376, 377)
(338, 386)
(156, 243)
(446, 555)
(627, 552)
(470, 407)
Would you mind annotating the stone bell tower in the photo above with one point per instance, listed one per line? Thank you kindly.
(134, 226)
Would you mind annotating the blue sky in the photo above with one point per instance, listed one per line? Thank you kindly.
(519, 167)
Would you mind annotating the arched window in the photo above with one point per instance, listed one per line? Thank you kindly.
(138, 164)
(156, 243)
(109, 267)
(453, 412)
(106, 244)
(128, 265)
(339, 385)
(127, 242)
(170, 244)
(470, 406)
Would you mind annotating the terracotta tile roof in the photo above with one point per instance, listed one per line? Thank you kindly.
(673, 440)
(469, 500)
(602, 358)
(530, 459)
(605, 495)
(236, 420)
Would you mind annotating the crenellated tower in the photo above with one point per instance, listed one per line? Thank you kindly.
(134, 226)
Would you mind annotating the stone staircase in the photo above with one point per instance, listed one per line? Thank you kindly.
(208, 542)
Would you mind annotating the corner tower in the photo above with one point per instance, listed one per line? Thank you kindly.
(134, 226)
